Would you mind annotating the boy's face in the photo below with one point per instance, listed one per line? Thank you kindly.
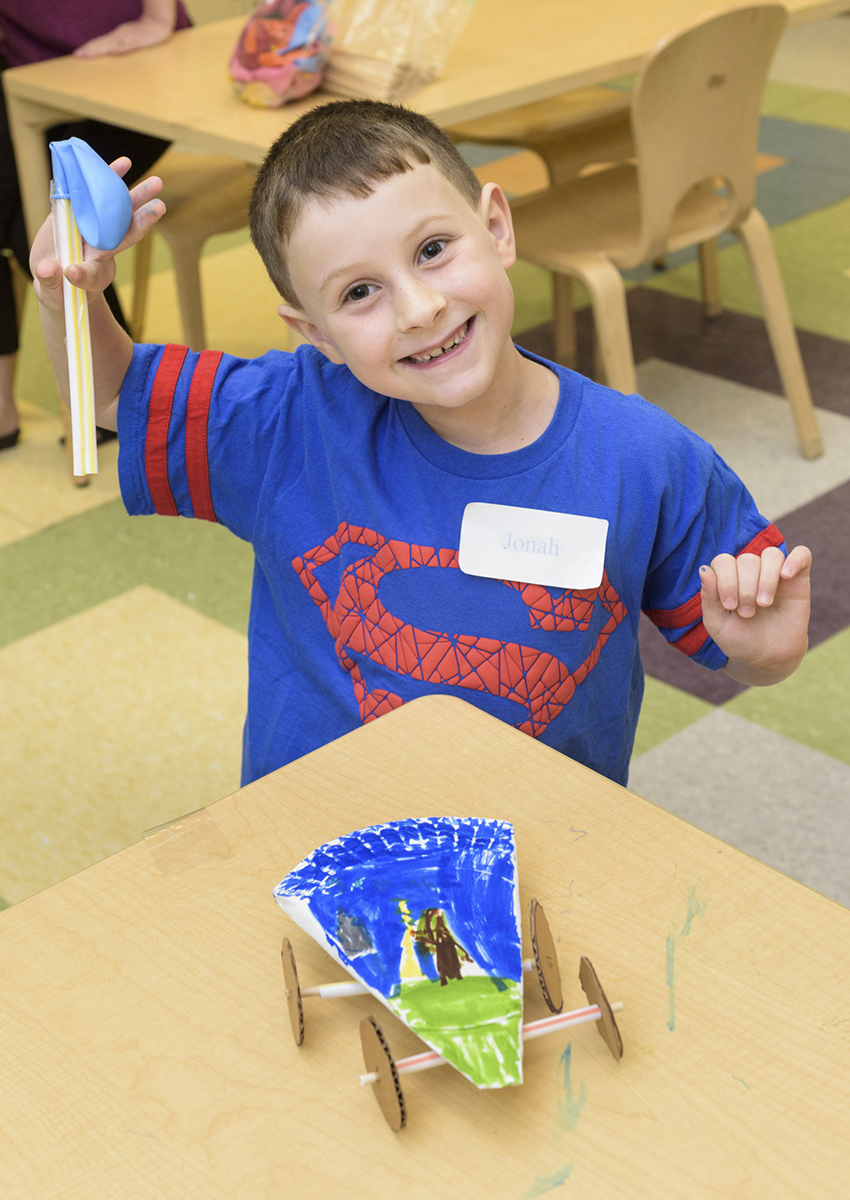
(408, 288)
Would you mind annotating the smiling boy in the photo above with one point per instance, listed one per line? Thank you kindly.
(438, 336)
(358, 466)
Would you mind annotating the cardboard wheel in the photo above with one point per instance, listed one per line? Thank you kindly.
(379, 1061)
(606, 1025)
(292, 991)
(546, 959)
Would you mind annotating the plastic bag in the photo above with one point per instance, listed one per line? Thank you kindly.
(386, 49)
(281, 52)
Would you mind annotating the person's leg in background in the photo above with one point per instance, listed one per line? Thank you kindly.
(13, 240)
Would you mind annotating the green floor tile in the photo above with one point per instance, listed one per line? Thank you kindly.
(811, 707)
(811, 106)
(90, 558)
(532, 296)
(665, 712)
(814, 259)
(34, 380)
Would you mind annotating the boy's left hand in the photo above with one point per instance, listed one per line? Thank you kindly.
(756, 608)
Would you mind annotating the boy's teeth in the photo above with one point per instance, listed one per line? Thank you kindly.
(441, 349)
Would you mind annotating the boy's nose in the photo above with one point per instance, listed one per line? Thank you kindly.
(418, 304)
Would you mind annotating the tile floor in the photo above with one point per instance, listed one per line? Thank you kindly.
(122, 642)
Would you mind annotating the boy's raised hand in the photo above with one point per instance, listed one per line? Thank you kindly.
(756, 608)
(112, 349)
(97, 270)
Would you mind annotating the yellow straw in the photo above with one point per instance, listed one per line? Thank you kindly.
(69, 245)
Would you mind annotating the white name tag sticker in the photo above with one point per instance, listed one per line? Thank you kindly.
(531, 545)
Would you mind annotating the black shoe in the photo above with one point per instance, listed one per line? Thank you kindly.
(8, 440)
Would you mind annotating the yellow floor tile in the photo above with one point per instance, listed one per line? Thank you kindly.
(112, 722)
(35, 485)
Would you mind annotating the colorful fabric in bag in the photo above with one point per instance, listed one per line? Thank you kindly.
(281, 52)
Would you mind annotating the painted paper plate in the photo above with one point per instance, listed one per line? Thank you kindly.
(425, 913)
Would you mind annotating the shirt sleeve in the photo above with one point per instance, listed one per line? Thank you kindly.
(196, 432)
(709, 511)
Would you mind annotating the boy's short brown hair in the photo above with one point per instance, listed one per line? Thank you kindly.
(343, 148)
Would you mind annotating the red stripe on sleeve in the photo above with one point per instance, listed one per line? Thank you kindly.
(676, 618)
(769, 536)
(693, 640)
(197, 418)
(159, 418)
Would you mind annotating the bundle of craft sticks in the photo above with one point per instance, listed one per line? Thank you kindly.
(374, 78)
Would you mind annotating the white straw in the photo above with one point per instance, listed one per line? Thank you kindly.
(332, 991)
(430, 1058)
(69, 249)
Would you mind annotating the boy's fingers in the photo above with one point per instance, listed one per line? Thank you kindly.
(93, 275)
(725, 570)
(121, 165)
(798, 561)
(48, 279)
(144, 218)
(748, 569)
(145, 191)
(712, 609)
(49, 272)
(752, 580)
(772, 560)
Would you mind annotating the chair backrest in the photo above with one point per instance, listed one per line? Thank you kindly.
(695, 115)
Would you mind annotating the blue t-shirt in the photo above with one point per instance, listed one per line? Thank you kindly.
(353, 506)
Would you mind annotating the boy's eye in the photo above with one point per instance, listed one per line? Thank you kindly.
(433, 249)
(359, 292)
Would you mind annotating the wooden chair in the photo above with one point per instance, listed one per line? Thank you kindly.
(575, 133)
(569, 132)
(204, 195)
(695, 114)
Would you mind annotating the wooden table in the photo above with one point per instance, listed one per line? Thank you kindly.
(508, 54)
(146, 1048)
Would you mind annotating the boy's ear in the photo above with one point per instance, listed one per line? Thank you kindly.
(496, 214)
(305, 328)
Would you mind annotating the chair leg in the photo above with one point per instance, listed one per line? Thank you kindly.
(564, 320)
(761, 254)
(709, 279)
(141, 279)
(187, 273)
(610, 319)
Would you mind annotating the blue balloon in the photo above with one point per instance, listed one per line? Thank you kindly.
(100, 199)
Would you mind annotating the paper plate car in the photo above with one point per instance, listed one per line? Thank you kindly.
(424, 914)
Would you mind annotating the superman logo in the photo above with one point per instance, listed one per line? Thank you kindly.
(360, 624)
